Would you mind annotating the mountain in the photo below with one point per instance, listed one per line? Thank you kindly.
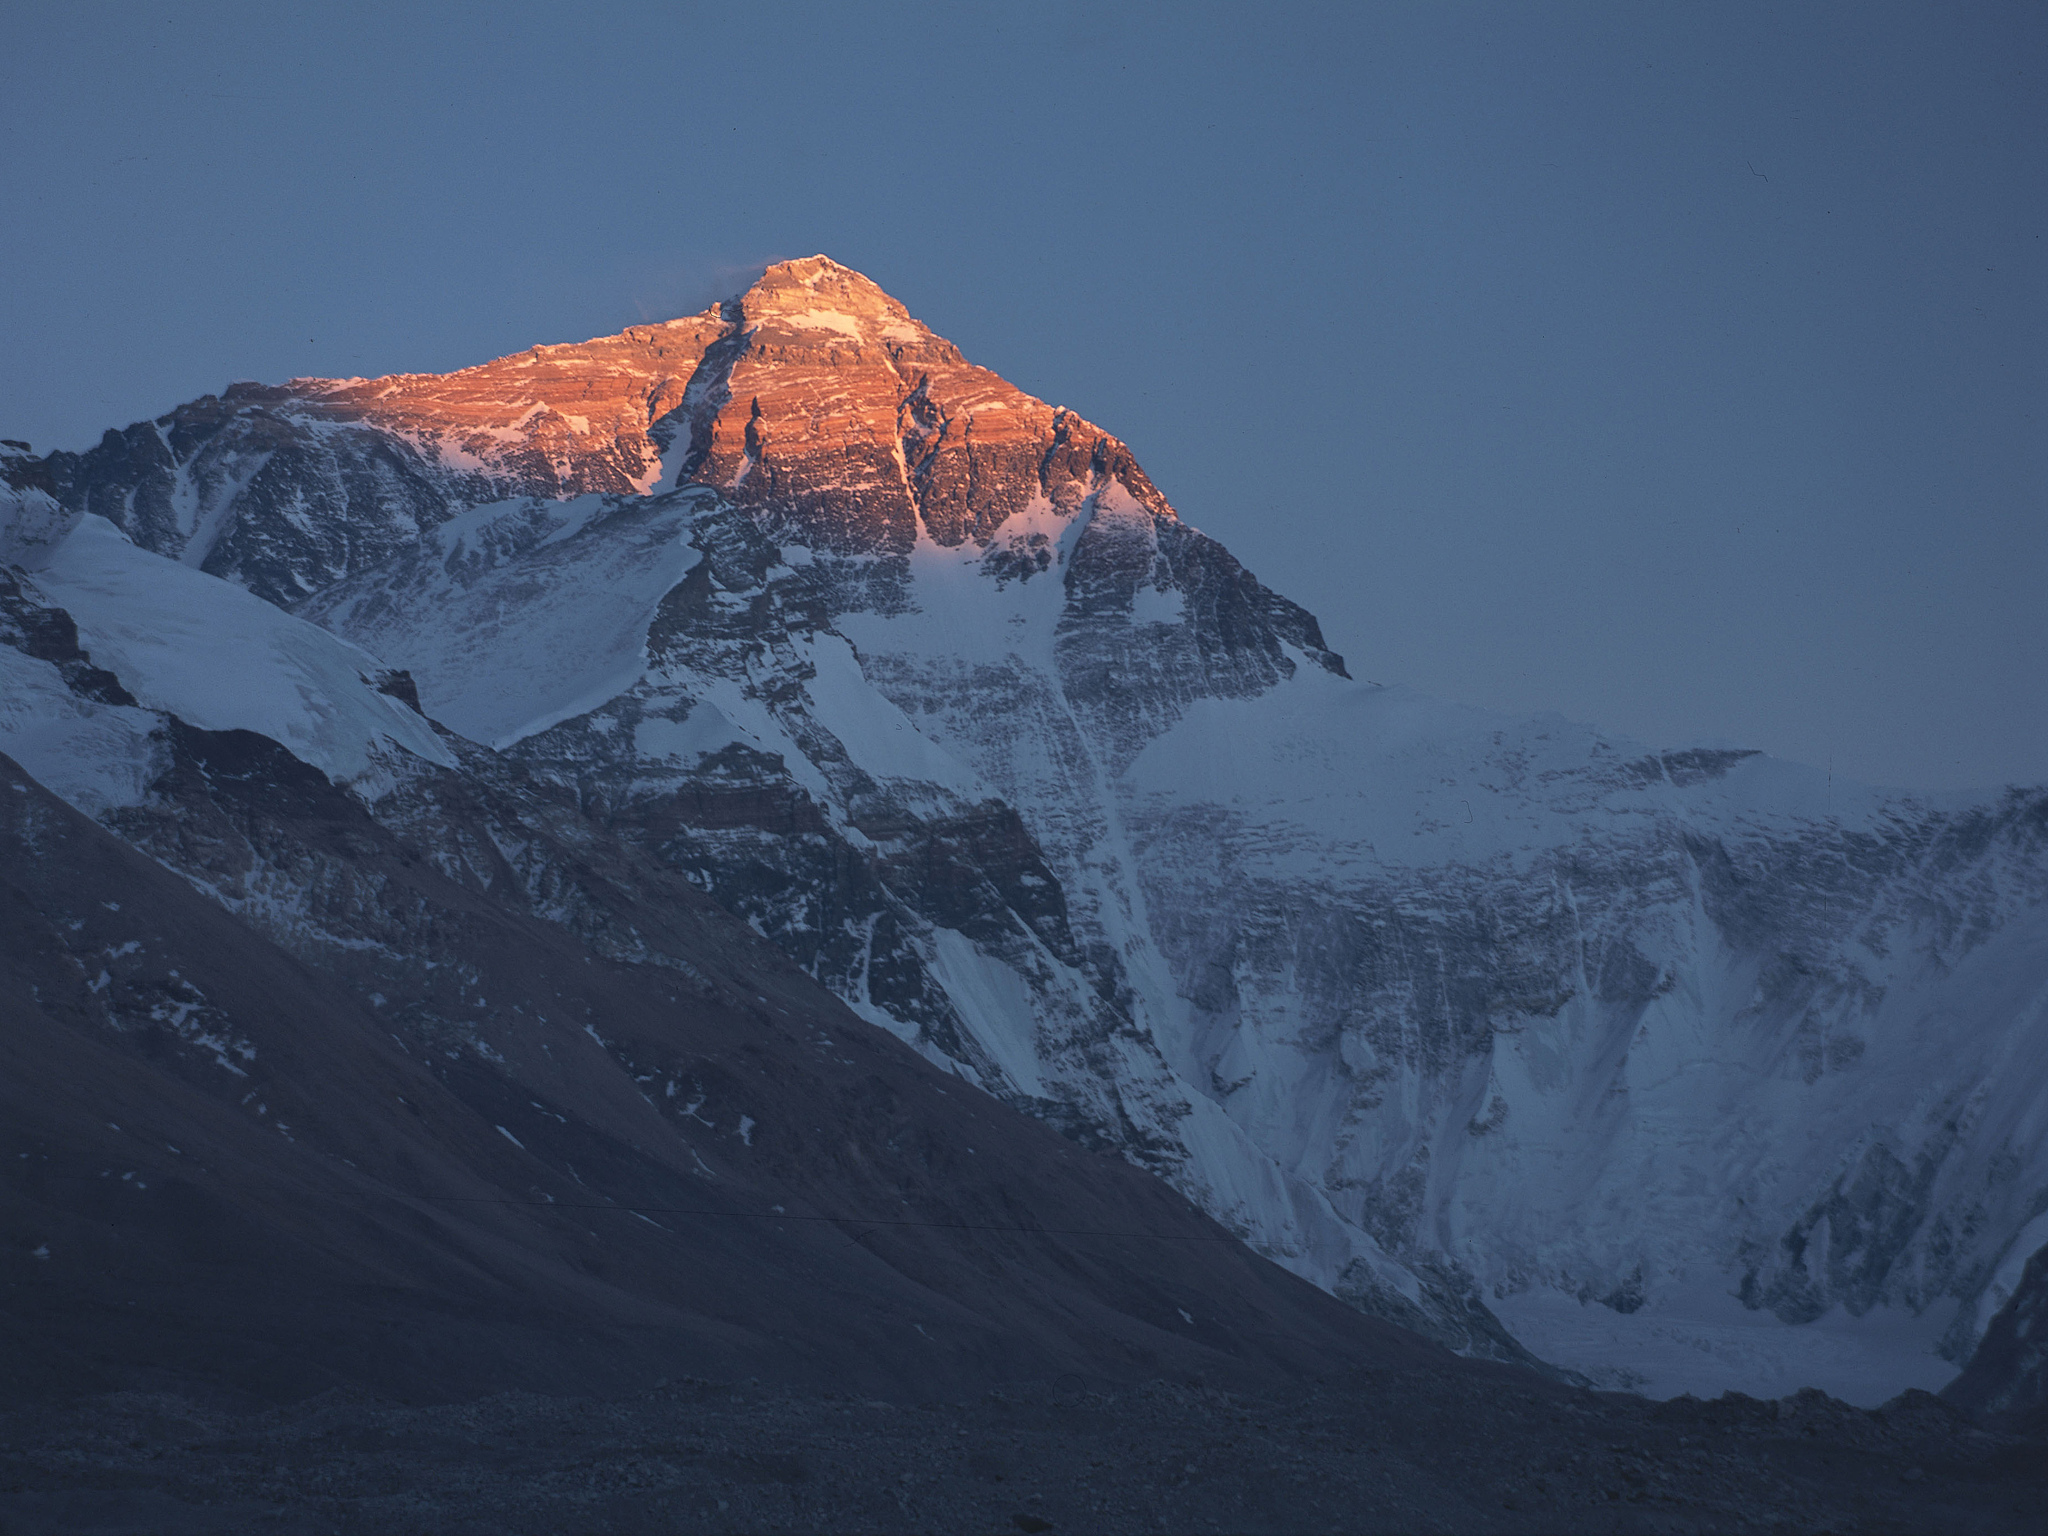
(1683, 1069)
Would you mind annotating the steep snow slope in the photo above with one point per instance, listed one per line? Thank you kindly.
(96, 754)
(220, 659)
(1701, 1070)
(1682, 1035)
(500, 663)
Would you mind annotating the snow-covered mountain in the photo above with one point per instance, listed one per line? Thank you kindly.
(1683, 1069)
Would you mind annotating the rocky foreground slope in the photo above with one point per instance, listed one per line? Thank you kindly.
(1685, 1069)
(1478, 1449)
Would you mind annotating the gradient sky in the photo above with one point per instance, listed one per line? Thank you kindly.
(1678, 368)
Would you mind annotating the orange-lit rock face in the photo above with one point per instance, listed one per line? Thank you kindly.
(828, 405)
(814, 399)
(560, 421)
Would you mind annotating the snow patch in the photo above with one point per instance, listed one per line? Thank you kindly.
(1708, 1344)
(94, 757)
(528, 614)
(1158, 605)
(222, 659)
(824, 320)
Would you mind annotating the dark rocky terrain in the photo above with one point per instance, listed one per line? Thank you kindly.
(1479, 1449)
(225, 1166)
(2006, 1381)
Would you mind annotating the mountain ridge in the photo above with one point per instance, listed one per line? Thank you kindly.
(927, 438)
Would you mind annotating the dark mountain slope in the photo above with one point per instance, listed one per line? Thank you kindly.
(314, 1194)
(2006, 1380)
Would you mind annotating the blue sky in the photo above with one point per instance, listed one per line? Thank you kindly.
(1678, 368)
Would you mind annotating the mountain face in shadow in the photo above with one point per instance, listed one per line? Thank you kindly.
(464, 1150)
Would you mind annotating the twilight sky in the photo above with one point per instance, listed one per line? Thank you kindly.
(1678, 368)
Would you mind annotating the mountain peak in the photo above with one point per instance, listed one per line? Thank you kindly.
(814, 399)
(818, 284)
(831, 409)
(814, 302)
